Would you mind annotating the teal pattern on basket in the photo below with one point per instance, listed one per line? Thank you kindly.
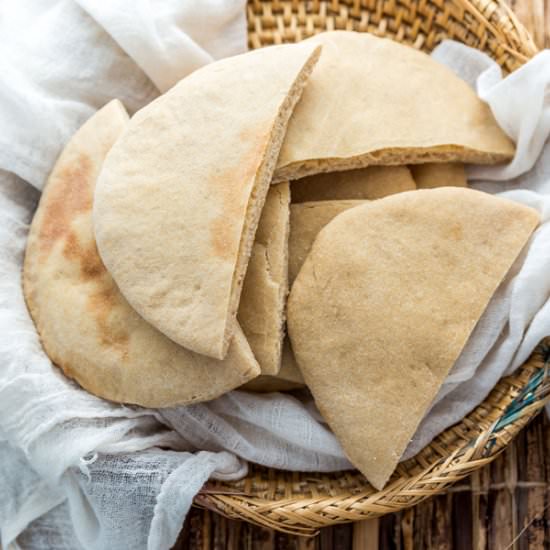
(535, 392)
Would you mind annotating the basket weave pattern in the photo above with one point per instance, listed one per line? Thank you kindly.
(487, 25)
(301, 503)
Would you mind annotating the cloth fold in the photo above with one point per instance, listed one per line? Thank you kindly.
(168, 39)
(86, 473)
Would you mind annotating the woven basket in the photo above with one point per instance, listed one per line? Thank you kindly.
(301, 503)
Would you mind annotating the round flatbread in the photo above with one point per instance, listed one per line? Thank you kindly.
(369, 183)
(86, 326)
(374, 101)
(180, 195)
(384, 304)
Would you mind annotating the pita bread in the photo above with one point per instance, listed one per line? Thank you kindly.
(444, 174)
(369, 183)
(265, 288)
(373, 101)
(306, 220)
(384, 304)
(269, 384)
(86, 326)
(289, 377)
(289, 368)
(180, 195)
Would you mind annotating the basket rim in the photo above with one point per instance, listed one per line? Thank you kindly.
(490, 25)
(521, 397)
(266, 496)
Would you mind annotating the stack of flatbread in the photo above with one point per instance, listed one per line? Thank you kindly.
(160, 259)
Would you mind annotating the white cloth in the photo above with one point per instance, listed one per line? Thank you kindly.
(64, 452)
(521, 105)
(58, 66)
(171, 39)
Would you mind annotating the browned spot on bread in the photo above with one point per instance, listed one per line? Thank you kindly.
(229, 184)
(91, 266)
(101, 305)
(105, 297)
(259, 133)
(71, 193)
(221, 237)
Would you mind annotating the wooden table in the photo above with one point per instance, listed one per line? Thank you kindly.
(505, 506)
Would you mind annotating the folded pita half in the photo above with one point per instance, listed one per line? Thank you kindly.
(288, 378)
(180, 194)
(374, 101)
(444, 174)
(306, 220)
(385, 302)
(86, 326)
(369, 183)
(263, 299)
(269, 384)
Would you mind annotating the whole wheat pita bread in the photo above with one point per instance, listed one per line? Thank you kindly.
(268, 384)
(180, 194)
(306, 220)
(289, 367)
(374, 101)
(86, 326)
(444, 174)
(288, 378)
(369, 183)
(384, 304)
(263, 300)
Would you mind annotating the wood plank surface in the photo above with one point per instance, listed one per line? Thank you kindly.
(505, 506)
